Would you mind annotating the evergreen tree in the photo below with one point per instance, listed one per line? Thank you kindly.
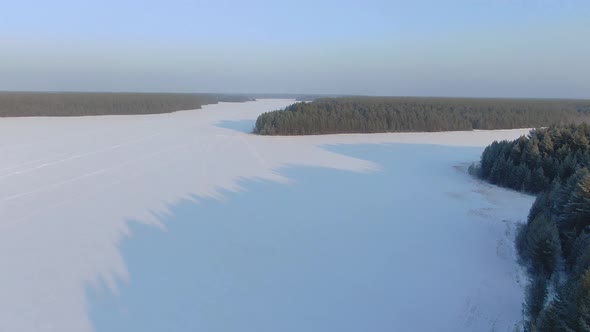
(537, 182)
(542, 245)
(549, 320)
(558, 226)
(536, 294)
(577, 210)
(583, 302)
(389, 114)
(546, 145)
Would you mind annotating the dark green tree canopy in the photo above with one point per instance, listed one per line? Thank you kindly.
(399, 114)
(532, 163)
(555, 242)
(15, 104)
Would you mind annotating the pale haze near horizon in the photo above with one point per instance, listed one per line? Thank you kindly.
(477, 48)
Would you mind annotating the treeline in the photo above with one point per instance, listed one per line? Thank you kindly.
(399, 114)
(296, 96)
(18, 104)
(555, 242)
(533, 163)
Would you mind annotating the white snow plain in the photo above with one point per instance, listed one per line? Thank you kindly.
(69, 186)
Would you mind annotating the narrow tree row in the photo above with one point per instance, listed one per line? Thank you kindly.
(15, 104)
(388, 114)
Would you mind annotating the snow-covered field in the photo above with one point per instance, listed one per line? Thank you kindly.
(70, 187)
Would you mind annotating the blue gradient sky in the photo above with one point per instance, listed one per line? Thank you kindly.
(509, 48)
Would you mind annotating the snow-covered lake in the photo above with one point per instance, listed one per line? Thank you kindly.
(185, 222)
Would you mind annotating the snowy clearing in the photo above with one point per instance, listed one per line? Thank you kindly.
(70, 186)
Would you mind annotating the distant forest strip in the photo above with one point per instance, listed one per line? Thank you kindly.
(297, 97)
(19, 104)
(555, 242)
(405, 114)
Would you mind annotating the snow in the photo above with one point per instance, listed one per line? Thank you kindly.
(69, 188)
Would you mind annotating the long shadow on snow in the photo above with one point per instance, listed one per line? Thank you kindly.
(333, 251)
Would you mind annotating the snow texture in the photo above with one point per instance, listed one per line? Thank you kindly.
(69, 188)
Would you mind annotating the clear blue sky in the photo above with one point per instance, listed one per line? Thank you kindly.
(510, 48)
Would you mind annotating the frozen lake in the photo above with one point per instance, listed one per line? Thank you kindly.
(184, 222)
